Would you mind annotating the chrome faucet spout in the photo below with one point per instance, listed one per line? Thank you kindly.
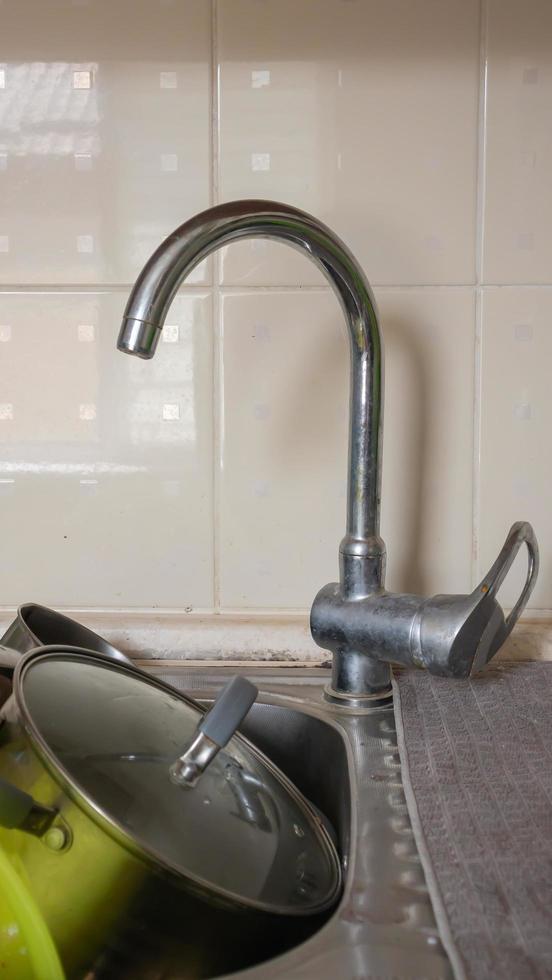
(362, 552)
(365, 627)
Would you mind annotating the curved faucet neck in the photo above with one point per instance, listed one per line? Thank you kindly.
(362, 552)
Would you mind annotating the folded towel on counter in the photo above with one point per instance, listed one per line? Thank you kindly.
(477, 768)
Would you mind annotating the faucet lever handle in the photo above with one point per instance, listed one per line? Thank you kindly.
(519, 533)
(457, 635)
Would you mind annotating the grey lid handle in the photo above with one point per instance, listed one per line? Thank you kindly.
(229, 710)
(214, 730)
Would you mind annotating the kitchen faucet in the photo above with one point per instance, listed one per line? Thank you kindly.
(365, 627)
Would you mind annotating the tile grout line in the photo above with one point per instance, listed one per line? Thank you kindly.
(479, 251)
(202, 288)
(217, 375)
(280, 615)
(481, 147)
(476, 463)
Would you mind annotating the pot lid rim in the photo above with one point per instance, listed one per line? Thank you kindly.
(132, 843)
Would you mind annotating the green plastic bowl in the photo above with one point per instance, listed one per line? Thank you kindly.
(27, 950)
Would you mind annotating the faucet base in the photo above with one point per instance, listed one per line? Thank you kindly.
(358, 679)
(358, 702)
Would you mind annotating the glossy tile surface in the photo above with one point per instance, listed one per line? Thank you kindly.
(428, 442)
(283, 473)
(104, 134)
(420, 131)
(518, 209)
(516, 417)
(365, 114)
(105, 476)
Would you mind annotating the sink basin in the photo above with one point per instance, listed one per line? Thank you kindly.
(313, 755)
(346, 762)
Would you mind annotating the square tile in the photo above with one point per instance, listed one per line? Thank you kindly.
(86, 126)
(364, 114)
(284, 451)
(516, 418)
(429, 339)
(518, 200)
(89, 450)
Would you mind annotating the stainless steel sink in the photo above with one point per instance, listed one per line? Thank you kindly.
(346, 761)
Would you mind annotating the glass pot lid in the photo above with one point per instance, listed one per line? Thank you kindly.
(111, 733)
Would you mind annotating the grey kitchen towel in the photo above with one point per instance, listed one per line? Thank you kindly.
(477, 768)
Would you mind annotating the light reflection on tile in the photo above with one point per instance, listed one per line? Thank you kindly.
(82, 79)
(85, 243)
(86, 333)
(171, 333)
(171, 412)
(260, 79)
(87, 413)
(169, 162)
(95, 444)
(168, 79)
(260, 161)
(85, 138)
(87, 475)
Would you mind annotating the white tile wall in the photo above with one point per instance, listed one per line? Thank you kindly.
(106, 497)
(364, 113)
(214, 476)
(516, 448)
(105, 134)
(518, 198)
(285, 442)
